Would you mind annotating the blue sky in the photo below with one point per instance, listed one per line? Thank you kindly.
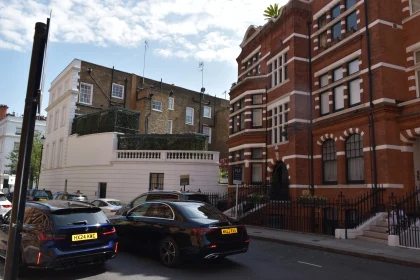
(180, 34)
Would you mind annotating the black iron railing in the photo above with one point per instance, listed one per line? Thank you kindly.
(404, 218)
(260, 205)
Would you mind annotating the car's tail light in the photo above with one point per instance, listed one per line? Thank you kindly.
(49, 237)
(6, 206)
(247, 241)
(112, 231)
(112, 211)
(39, 258)
(116, 248)
(200, 232)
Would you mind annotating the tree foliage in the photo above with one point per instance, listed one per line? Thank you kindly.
(35, 157)
(273, 11)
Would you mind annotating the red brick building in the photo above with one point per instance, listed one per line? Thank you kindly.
(327, 98)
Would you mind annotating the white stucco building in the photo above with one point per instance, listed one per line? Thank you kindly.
(93, 164)
(10, 131)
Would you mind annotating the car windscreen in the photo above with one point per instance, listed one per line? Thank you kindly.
(78, 216)
(198, 197)
(200, 211)
(114, 202)
(49, 193)
(77, 197)
(38, 193)
(3, 197)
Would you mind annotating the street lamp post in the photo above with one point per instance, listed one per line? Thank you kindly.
(40, 161)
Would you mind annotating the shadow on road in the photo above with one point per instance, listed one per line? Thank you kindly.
(142, 266)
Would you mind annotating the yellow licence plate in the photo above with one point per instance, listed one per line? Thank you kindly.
(42, 199)
(85, 236)
(229, 230)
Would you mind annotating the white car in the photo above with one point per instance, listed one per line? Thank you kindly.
(108, 205)
(5, 205)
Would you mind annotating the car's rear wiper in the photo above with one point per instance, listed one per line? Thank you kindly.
(79, 223)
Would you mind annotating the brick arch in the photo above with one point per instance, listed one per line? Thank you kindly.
(326, 137)
(409, 136)
(350, 131)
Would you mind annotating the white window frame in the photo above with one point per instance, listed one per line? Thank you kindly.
(276, 127)
(154, 105)
(170, 126)
(350, 93)
(114, 85)
(63, 115)
(335, 109)
(411, 8)
(275, 72)
(192, 116)
(209, 112)
(209, 134)
(171, 101)
(322, 104)
(353, 62)
(91, 93)
(321, 78)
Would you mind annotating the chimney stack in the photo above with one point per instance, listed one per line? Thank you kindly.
(3, 111)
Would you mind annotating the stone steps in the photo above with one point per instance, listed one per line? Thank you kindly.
(376, 240)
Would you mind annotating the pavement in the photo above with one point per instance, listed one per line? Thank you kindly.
(351, 247)
(265, 260)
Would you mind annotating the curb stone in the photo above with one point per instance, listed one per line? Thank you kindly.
(339, 251)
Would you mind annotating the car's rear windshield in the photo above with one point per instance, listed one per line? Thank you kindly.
(3, 197)
(114, 202)
(39, 193)
(198, 197)
(200, 211)
(78, 216)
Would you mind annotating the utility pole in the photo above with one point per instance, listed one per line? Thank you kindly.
(146, 45)
(33, 94)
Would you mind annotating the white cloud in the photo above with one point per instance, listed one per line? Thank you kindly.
(206, 30)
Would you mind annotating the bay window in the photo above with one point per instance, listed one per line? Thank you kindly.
(257, 117)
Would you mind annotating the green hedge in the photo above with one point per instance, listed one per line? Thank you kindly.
(188, 141)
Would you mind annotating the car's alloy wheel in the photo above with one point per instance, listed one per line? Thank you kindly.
(169, 252)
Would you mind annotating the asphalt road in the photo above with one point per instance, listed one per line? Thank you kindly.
(264, 260)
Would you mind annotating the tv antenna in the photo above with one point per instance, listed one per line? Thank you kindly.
(201, 66)
(146, 45)
(224, 93)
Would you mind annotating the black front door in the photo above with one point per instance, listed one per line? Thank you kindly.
(280, 182)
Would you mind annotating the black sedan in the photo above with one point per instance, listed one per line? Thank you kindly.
(179, 229)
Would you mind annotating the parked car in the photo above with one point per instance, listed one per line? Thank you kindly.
(5, 205)
(49, 193)
(36, 195)
(71, 196)
(62, 234)
(179, 229)
(108, 205)
(163, 195)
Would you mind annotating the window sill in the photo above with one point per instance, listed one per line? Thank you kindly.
(171, 109)
(156, 110)
(189, 124)
(117, 97)
(206, 117)
(83, 103)
(279, 85)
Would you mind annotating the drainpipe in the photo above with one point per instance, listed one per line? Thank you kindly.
(112, 81)
(266, 137)
(310, 134)
(199, 114)
(125, 91)
(146, 126)
(371, 119)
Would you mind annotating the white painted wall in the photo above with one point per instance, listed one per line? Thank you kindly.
(126, 180)
(8, 138)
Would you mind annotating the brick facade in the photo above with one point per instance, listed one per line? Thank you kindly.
(134, 96)
(352, 115)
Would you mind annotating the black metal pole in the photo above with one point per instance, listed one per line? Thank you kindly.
(25, 150)
(310, 136)
(39, 170)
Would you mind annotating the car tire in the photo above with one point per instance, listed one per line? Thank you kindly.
(169, 252)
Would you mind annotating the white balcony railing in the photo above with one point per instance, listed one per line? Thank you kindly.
(168, 156)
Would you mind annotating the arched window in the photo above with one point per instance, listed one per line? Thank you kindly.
(354, 159)
(329, 162)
